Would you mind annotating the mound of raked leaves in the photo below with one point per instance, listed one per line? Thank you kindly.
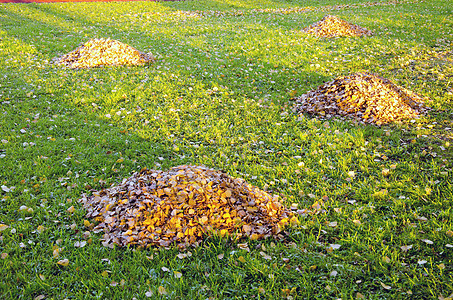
(332, 26)
(182, 206)
(368, 98)
(104, 52)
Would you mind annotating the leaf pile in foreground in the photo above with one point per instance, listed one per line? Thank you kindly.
(104, 52)
(332, 26)
(368, 98)
(182, 206)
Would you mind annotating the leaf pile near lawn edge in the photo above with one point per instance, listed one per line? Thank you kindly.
(182, 206)
(104, 52)
(332, 26)
(366, 97)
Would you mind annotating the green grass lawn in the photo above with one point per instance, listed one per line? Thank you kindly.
(377, 201)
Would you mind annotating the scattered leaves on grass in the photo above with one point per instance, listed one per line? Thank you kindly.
(332, 26)
(104, 52)
(367, 98)
(183, 205)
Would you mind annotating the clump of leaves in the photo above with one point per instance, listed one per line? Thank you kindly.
(182, 206)
(104, 52)
(332, 26)
(368, 98)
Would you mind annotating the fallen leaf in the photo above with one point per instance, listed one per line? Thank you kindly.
(40, 229)
(241, 259)
(406, 248)
(63, 262)
(4, 255)
(387, 287)
(177, 274)
(335, 246)
(429, 242)
(386, 259)
(162, 290)
(333, 224)
(165, 269)
(422, 261)
(149, 294)
(3, 227)
(71, 209)
(220, 256)
(265, 256)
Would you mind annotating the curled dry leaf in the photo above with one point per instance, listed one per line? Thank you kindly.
(104, 52)
(182, 206)
(63, 262)
(387, 287)
(365, 97)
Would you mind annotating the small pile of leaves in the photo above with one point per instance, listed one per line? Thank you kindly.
(368, 98)
(104, 52)
(332, 26)
(182, 206)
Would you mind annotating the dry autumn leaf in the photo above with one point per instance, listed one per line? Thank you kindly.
(406, 248)
(63, 262)
(3, 227)
(161, 290)
(387, 287)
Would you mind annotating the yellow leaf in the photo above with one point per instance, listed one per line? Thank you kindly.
(3, 227)
(241, 259)
(312, 268)
(105, 274)
(441, 266)
(387, 287)
(40, 229)
(42, 277)
(63, 262)
(449, 233)
(177, 274)
(386, 259)
(71, 209)
(86, 223)
(161, 290)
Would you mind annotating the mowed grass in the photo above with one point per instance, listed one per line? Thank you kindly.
(377, 201)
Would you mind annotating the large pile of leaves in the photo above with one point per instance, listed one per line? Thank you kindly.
(332, 26)
(368, 98)
(182, 206)
(104, 52)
